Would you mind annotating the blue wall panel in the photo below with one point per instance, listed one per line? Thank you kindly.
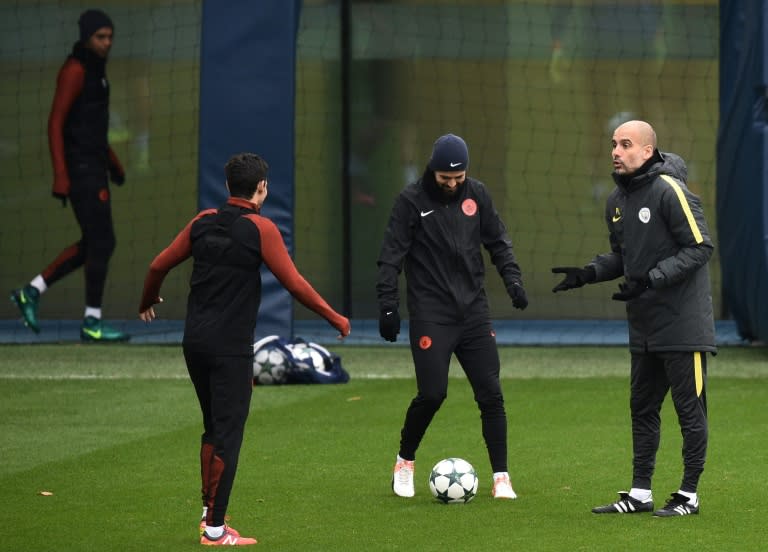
(742, 170)
(247, 89)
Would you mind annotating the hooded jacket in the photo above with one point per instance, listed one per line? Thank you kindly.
(658, 232)
(438, 239)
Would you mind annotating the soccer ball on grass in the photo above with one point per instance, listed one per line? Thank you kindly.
(453, 481)
(269, 365)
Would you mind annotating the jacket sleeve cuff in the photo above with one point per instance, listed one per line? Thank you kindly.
(656, 278)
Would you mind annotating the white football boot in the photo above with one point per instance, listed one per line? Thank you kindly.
(502, 487)
(402, 478)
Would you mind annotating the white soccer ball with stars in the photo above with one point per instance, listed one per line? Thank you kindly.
(453, 481)
(307, 357)
(269, 365)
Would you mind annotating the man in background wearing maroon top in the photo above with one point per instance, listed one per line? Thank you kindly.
(82, 160)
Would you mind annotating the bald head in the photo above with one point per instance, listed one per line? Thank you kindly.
(633, 144)
(641, 131)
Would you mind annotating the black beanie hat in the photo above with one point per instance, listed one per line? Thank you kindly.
(91, 21)
(449, 154)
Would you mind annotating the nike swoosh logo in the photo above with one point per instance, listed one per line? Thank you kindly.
(455, 164)
(425, 213)
(616, 218)
(94, 334)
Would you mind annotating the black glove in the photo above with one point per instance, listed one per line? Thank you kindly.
(519, 299)
(116, 176)
(389, 325)
(631, 289)
(575, 277)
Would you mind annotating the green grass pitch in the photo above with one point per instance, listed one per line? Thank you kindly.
(113, 433)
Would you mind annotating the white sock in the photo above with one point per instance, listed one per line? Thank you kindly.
(39, 283)
(693, 498)
(93, 311)
(401, 459)
(214, 532)
(641, 494)
(500, 474)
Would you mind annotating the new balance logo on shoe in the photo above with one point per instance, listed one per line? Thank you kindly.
(229, 538)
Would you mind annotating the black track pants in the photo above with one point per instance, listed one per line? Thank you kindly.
(432, 346)
(91, 203)
(223, 385)
(653, 374)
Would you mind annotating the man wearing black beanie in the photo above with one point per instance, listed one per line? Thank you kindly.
(82, 162)
(91, 21)
(437, 230)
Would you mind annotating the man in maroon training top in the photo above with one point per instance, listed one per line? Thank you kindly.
(82, 159)
(228, 245)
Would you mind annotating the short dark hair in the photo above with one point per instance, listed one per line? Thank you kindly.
(244, 171)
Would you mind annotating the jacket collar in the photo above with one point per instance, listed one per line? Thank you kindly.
(647, 172)
(90, 60)
(242, 202)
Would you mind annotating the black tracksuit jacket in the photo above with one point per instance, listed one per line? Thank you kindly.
(438, 240)
(657, 230)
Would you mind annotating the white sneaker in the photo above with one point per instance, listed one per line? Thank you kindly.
(502, 487)
(402, 478)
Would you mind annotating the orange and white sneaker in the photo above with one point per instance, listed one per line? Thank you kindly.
(230, 537)
(402, 478)
(502, 487)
